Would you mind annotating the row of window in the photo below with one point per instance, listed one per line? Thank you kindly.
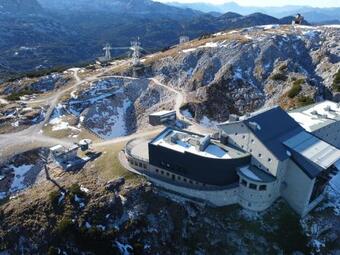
(177, 177)
(253, 186)
(139, 164)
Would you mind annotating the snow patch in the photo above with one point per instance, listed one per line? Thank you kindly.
(125, 249)
(115, 124)
(18, 181)
(205, 121)
(189, 50)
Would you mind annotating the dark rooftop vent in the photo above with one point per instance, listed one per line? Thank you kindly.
(315, 113)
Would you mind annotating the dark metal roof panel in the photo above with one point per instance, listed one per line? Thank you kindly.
(272, 127)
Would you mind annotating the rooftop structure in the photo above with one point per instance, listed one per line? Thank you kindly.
(67, 157)
(186, 142)
(317, 116)
(161, 117)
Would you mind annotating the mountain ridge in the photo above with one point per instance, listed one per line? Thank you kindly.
(312, 14)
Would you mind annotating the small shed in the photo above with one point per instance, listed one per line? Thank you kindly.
(159, 118)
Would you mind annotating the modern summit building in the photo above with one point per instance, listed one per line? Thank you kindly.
(257, 159)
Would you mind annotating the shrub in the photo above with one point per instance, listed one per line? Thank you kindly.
(75, 190)
(279, 77)
(16, 95)
(296, 88)
(336, 82)
(54, 198)
(65, 226)
(305, 100)
(52, 251)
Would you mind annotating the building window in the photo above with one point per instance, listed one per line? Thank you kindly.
(178, 177)
(162, 172)
(252, 141)
(249, 204)
(244, 137)
(185, 180)
(251, 150)
(252, 186)
(236, 133)
(157, 170)
(263, 187)
(190, 182)
(269, 160)
(260, 155)
(244, 183)
(167, 174)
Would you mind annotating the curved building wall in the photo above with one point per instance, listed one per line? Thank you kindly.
(256, 196)
(212, 171)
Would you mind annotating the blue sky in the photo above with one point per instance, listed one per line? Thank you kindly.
(315, 3)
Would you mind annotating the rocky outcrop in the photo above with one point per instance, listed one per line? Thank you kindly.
(242, 71)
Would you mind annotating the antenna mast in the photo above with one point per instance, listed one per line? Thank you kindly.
(136, 52)
(107, 50)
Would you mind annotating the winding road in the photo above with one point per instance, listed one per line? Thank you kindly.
(33, 137)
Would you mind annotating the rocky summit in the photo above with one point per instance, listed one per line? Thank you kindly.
(240, 71)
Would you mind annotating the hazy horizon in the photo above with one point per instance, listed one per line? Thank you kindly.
(265, 3)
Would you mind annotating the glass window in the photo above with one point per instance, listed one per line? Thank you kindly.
(252, 186)
(263, 187)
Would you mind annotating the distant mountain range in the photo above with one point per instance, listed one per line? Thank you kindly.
(314, 15)
(41, 34)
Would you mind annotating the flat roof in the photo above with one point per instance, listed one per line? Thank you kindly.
(183, 144)
(317, 116)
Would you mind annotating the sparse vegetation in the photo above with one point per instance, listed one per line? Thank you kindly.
(279, 77)
(64, 226)
(336, 82)
(54, 198)
(16, 95)
(305, 100)
(296, 88)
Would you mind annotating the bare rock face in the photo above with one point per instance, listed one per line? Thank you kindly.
(242, 71)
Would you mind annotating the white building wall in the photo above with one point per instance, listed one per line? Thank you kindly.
(297, 189)
(241, 136)
(256, 200)
(214, 197)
